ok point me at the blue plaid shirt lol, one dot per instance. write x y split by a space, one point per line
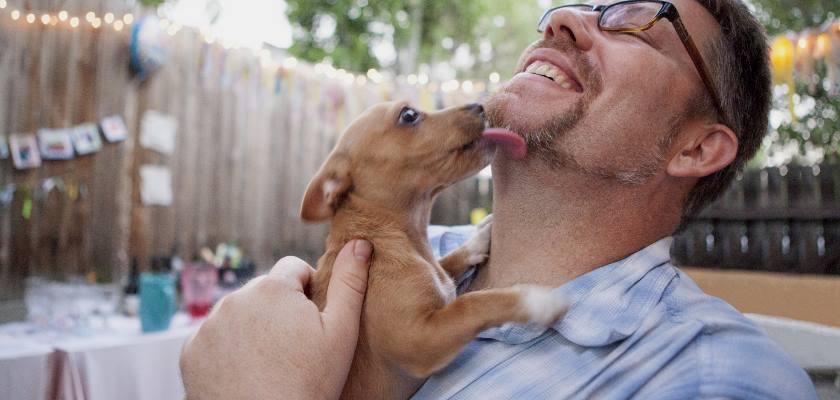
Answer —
636 328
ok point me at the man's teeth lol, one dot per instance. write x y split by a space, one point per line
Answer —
550 71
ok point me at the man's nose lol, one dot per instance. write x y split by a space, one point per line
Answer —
573 22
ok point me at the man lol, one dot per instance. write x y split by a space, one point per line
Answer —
642 115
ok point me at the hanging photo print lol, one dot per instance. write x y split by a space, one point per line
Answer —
24 149
4 149
55 144
86 139
114 129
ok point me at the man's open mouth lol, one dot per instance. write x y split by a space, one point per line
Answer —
551 72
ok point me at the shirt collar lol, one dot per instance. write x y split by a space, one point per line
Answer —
608 304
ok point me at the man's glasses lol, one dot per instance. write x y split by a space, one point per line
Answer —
641 15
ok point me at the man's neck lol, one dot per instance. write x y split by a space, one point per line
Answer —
550 227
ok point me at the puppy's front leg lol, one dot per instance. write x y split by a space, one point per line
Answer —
475 251
433 342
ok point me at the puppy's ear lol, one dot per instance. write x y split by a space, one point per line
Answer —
327 189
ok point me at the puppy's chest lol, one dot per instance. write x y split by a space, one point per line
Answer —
412 273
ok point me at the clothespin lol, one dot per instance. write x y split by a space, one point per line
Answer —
44 191
72 191
26 208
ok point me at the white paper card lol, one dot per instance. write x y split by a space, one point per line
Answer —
156 185
158 132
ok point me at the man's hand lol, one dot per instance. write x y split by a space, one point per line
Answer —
269 341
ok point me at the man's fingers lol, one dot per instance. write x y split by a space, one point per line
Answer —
292 270
348 284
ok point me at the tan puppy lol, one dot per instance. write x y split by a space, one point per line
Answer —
378 184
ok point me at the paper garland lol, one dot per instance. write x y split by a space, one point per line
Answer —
28 150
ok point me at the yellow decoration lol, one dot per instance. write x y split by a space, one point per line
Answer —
822 45
781 56
782 59
476 215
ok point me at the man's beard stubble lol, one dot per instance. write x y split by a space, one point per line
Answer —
542 142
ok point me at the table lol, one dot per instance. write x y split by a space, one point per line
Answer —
25 368
121 363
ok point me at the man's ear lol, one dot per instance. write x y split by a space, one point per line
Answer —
705 153
327 189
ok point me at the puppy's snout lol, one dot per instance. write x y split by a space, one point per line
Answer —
476 109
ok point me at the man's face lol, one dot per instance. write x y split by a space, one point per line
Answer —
619 102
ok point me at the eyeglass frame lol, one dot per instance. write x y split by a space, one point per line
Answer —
667 11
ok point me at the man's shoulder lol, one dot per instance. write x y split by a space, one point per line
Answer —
732 356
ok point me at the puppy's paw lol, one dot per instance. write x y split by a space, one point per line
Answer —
540 305
478 247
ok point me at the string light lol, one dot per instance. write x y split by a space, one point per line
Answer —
90 16
494 77
30 18
118 25
62 15
15 15
128 19
74 22
2 4
109 18
450 86
374 75
411 79
803 43
96 23
45 19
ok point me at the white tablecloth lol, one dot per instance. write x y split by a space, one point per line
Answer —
121 363
25 369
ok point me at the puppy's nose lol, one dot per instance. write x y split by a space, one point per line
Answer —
475 108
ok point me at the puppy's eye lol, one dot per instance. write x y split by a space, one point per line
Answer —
409 116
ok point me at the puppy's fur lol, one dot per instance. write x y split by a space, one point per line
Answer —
378 184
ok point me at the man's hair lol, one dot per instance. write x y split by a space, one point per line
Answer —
740 68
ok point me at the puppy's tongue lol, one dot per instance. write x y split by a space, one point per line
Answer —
508 140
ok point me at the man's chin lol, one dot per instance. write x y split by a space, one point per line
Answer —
509 110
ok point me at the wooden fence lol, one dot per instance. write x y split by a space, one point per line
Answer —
250 136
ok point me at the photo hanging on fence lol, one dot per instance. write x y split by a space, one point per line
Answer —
86 139
24 151
114 129
4 149
56 144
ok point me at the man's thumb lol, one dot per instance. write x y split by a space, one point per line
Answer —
348 283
